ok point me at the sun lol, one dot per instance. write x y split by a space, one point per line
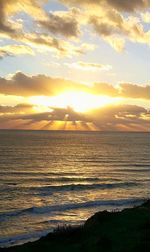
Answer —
81 101
78 101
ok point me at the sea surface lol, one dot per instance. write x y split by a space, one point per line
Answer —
55 178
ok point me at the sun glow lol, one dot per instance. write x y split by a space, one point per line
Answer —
79 101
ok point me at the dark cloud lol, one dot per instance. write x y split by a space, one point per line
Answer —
135 91
5 26
37 39
57 118
123 90
8 7
121 117
110 112
56 114
23 85
67 114
110 23
102 28
122 5
64 24
111 118
113 25
20 108
128 5
67 24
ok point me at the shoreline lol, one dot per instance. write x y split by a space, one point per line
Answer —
123 231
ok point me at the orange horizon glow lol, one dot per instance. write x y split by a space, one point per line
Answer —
78 101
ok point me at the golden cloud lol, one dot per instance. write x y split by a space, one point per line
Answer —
146 17
108 20
86 66
58 23
40 85
127 5
115 29
106 17
13 50
24 85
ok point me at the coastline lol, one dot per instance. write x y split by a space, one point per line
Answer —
123 231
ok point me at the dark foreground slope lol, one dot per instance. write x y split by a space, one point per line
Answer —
125 231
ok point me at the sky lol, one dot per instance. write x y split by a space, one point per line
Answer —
75 65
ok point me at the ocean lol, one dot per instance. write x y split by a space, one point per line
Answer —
52 178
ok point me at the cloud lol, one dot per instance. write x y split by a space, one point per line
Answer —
63 23
33 39
20 108
45 42
84 47
108 30
129 6
4 26
66 114
123 90
114 118
121 5
13 50
61 47
108 20
24 85
58 23
58 118
55 114
114 28
135 91
104 89
10 7
85 66
117 43
146 17
122 118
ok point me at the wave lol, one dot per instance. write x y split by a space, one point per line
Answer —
77 187
44 190
80 187
40 174
56 179
113 162
133 170
11 181
35 235
72 206
22 238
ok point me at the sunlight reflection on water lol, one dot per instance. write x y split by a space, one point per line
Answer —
51 178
